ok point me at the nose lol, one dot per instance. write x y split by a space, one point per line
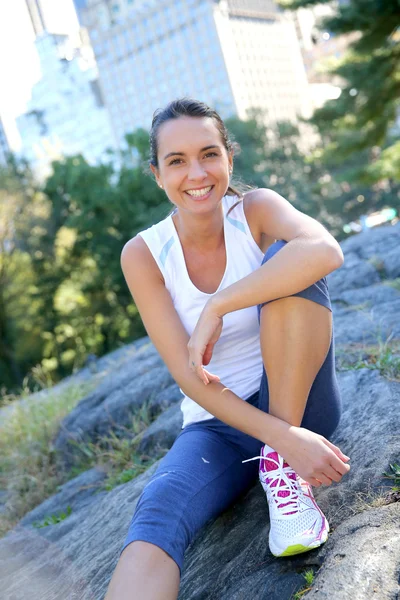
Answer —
196 171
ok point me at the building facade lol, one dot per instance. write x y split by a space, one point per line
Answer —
232 54
4 146
66 114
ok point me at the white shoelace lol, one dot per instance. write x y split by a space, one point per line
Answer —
278 475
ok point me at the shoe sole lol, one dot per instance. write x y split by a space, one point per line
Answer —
300 548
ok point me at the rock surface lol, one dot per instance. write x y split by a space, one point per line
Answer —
230 559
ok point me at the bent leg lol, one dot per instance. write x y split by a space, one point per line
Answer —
200 476
299 382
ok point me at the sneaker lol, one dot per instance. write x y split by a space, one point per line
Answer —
297 524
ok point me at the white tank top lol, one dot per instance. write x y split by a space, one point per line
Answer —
237 355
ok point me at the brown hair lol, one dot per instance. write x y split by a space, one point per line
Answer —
189 107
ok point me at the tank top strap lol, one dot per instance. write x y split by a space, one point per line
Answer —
239 226
160 240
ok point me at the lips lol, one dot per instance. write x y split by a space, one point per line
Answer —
200 192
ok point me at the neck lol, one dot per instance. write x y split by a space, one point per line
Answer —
200 232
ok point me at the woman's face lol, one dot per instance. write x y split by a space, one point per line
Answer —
193 163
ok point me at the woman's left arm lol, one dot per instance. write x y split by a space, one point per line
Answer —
310 254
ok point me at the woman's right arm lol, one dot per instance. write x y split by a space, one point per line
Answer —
170 338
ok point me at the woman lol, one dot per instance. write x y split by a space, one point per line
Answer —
215 289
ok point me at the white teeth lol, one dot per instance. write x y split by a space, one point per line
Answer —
199 193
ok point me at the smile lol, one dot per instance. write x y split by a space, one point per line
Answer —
200 193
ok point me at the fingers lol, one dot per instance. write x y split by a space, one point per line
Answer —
208 354
338 461
205 376
199 370
336 450
211 377
314 482
333 475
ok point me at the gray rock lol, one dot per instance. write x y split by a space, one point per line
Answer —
373 242
230 559
162 432
370 296
367 325
391 261
352 571
77 493
116 401
349 276
72 560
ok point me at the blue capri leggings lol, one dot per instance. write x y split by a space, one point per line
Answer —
202 474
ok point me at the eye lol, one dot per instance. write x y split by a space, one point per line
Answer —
175 161
211 154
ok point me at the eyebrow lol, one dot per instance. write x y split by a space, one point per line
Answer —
183 154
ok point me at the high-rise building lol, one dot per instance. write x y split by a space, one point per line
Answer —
66 114
80 5
319 46
50 16
232 54
4 146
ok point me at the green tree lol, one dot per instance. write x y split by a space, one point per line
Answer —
21 209
366 115
95 211
277 158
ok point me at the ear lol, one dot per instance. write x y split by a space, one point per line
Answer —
155 172
230 160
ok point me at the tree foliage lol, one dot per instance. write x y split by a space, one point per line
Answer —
62 292
366 115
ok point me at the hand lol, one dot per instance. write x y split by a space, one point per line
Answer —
201 344
313 457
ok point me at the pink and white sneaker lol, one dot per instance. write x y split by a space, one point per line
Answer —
297 523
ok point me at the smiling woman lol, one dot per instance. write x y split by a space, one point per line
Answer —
216 289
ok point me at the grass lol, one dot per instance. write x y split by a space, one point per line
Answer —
375 498
117 454
309 577
393 283
394 476
53 519
30 470
383 356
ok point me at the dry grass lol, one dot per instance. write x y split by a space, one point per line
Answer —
29 472
383 356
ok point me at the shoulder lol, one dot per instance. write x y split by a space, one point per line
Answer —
276 217
258 199
256 205
136 256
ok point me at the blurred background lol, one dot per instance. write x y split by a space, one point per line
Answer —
310 91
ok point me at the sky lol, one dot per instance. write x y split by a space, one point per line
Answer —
19 64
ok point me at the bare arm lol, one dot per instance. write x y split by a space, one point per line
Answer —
311 253
169 336
313 457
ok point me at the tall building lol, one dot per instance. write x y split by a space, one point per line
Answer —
47 15
80 5
319 46
66 114
232 54
4 146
